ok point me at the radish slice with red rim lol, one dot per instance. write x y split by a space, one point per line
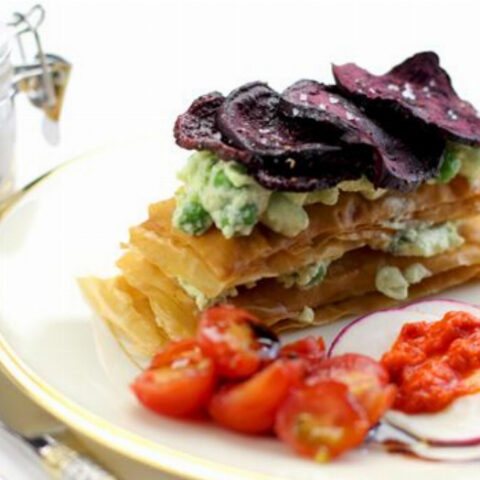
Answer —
457 425
387 437
442 306
374 334
446 454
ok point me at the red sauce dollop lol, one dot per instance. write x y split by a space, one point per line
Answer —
433 363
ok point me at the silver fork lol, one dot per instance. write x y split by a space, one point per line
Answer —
60 460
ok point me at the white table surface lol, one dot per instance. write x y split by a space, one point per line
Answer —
138 63
18 463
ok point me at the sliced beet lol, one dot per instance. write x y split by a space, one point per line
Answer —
282 180
277 182
417 89
388 128
280 153
251 120
394 164
196 129
288 153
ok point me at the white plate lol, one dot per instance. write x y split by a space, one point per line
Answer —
70 224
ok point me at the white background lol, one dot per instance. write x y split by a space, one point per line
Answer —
139 63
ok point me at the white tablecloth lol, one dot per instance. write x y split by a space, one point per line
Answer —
18 462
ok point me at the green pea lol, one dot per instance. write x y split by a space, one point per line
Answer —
450 167
237 168
318 277
249 214
224 220
192 218
221 180
235 221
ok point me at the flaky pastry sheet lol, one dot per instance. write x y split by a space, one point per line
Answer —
214 264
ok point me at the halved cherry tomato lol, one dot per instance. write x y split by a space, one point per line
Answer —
236 341
251 406
311 349
179 382
366 379
322 420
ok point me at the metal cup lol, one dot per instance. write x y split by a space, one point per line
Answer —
43 77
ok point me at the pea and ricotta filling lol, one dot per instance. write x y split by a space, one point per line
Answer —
306 277
462 160
394 283
201 300
421 240
307 315
425 241
222 193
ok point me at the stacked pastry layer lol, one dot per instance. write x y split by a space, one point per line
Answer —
167 276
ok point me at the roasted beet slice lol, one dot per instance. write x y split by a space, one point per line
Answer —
251 120
282 154
303 183
313 172
394 164
417 88
196 129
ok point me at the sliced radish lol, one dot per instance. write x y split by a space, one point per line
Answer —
374 334
448 454
442 306
390 438
456 425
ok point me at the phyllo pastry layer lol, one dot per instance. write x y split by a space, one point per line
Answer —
307 206
147 306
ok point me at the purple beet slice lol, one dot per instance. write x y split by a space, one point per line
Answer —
284 150
418 88
312 172
269 160
196 129
304 183
394 164
250 118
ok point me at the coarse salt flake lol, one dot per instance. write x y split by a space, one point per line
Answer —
408 93
451 114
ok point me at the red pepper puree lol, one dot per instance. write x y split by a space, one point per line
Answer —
433 363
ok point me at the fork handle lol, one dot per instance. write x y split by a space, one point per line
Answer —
65 463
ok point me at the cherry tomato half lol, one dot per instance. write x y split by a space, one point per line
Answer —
311 349
236 341
250 406
322 420
366 379
179 382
